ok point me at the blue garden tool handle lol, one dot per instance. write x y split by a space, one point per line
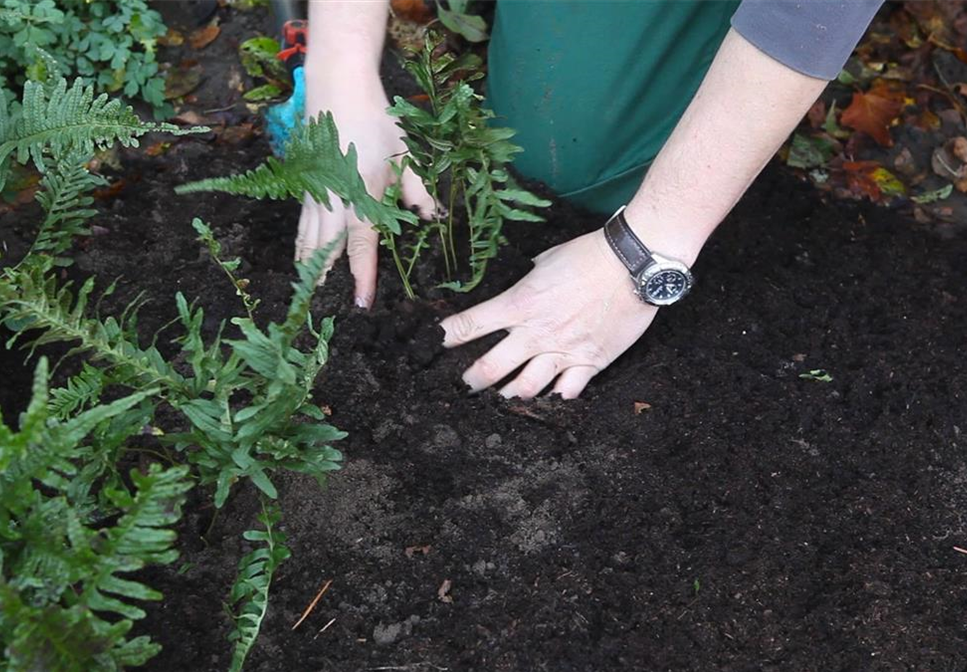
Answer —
293 34
281 119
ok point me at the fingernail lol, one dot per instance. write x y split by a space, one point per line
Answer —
362 303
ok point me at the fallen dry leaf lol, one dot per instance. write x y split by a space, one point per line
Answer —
412 10
413 550
171 39
925 121
949 166
904 163
158 148
799 357
406 34
202 37
443 592
873 112
817 114
641 407
237 134
182 80
958 147
112 190
870 179
190 118
928 16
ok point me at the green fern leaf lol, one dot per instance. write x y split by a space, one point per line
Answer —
59 121
32 299
313 165
250 594
64 198
81 391
140 537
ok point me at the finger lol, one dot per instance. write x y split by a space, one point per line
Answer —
319 227
362 245
498 363
480 320
332 226
305 240
416 195
572 382
537 375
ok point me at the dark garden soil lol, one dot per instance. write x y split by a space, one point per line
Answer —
743 519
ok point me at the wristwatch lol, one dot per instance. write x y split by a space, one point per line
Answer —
657 280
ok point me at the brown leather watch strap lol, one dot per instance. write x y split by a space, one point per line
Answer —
626 245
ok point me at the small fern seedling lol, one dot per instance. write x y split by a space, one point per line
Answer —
228 266
461 157
250 594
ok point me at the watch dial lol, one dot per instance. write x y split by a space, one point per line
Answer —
666 285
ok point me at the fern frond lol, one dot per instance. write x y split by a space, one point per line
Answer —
81 391
64 198
313 165
310 273
62 120
31 298
44 452
250 594
140 537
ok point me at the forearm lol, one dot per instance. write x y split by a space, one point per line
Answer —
744 110
346 37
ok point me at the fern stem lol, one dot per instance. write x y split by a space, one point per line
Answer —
404 273
454 186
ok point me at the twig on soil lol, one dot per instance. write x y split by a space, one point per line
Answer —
221 109
411 666
324 628
960 550
312 605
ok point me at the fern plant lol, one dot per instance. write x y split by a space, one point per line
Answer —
246 403
461 158
65 600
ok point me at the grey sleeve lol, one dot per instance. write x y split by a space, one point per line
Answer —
814 37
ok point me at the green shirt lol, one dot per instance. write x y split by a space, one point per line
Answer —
595 87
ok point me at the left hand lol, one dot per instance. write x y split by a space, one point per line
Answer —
567 319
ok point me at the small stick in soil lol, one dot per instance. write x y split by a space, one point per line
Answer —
312 605
960 550
411 666
324 628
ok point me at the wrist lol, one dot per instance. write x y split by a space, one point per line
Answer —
680 240
353 87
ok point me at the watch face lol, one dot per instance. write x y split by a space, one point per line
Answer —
665 286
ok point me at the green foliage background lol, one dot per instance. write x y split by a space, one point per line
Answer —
109 43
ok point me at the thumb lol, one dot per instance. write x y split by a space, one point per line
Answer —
416 195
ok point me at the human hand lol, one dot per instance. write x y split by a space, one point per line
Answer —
358 106
568 319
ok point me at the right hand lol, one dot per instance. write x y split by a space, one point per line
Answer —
359 110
